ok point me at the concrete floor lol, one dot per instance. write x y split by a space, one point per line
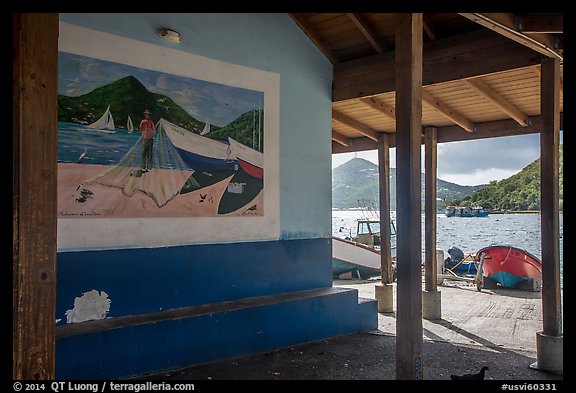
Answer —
494 328
491 318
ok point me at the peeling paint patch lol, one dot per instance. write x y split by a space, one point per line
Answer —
90 306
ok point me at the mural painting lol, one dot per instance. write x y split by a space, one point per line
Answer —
135 143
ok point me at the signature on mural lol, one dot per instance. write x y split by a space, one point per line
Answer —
134 145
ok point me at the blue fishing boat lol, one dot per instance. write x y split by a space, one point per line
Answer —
465 211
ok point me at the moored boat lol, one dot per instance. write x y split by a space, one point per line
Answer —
465 211
509 266
361 254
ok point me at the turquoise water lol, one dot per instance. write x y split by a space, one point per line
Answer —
101 148
468 234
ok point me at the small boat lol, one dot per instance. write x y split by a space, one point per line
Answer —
348 256
200 153
252 161
361 255
509 266
105 123
465 211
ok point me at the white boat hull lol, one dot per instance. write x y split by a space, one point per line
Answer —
348 256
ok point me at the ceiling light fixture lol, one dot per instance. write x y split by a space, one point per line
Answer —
169 35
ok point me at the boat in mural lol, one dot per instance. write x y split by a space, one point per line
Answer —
129 125
466 211
206 129
105 123
509 266
201 153
360 255
251 161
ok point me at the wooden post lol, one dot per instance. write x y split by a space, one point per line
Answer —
549 144
408 71
35 112
384 191
430 268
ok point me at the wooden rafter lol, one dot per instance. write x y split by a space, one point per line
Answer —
313 34
362 128
482 88
540 23
505 24
341 139
367 31
428 27
453 133
447 111
445 60
379 106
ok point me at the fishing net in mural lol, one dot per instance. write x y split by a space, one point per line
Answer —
157 171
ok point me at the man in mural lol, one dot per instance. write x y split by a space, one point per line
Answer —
147 128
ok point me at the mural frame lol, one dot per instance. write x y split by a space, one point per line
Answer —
93 233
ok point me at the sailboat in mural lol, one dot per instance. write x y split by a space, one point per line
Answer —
206 129
129 125
104 123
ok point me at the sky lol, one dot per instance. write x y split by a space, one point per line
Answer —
470 163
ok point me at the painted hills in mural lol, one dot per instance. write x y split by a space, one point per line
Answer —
129 97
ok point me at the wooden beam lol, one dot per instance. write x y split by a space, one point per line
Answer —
341 139
384 193
505 24
362 128
379 106
445 60
428 27
540 23
454 133
35 156
549 156
447 111
366 31
408 81
430 165
482 88
314 36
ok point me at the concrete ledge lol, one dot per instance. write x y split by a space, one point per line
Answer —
550 352
140 344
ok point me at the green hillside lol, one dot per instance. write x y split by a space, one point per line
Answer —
242 128
355 184
129 97
518 192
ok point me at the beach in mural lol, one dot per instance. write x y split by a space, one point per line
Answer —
205 156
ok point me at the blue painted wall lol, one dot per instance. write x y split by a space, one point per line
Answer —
144 280
269 42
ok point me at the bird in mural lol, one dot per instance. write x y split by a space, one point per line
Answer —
470 377
82 156
86 193
202 197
